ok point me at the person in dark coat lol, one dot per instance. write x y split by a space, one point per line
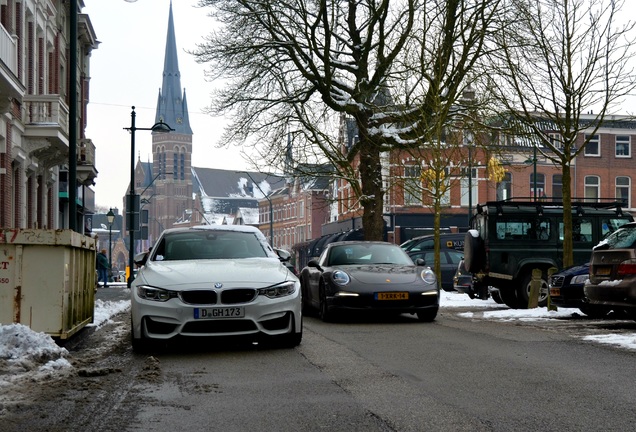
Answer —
102 267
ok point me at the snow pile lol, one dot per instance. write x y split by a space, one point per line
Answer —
29 350
28 354
25 353
104 310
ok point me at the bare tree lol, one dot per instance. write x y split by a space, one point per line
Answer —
297 66
558 60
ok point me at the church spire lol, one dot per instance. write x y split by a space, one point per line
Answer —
172 107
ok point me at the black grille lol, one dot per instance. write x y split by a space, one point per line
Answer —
199 297
157 327
557 281
235 296
219 326
277 323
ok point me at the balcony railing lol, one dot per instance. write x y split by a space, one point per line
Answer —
45 110
86 152
8 51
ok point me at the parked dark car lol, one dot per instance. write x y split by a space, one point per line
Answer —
447 241
566 290
368 276
613 272
463 279
449 260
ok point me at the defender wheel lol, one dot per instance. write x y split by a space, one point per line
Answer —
509 297
496 296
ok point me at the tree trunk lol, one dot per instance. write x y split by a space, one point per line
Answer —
372 198
568 258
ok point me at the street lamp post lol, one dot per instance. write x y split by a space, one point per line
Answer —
534 171
111 218
271 209
132 204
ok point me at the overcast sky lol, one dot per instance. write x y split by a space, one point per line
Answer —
127 69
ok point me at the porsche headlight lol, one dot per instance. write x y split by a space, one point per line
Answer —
340 278
280 290
428 276
157 294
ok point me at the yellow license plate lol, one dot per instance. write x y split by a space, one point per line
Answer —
555 292
392 296
603 271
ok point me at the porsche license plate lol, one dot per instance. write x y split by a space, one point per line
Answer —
392 296
214 313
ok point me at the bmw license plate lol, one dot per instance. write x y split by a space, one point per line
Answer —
392 296
214 313
603 271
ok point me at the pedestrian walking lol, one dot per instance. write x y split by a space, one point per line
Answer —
102 268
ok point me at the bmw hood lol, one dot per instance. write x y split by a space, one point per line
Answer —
374 274
245 273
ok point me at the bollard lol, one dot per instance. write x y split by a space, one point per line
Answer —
535 288
551 271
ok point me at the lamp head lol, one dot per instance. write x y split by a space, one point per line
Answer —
161 127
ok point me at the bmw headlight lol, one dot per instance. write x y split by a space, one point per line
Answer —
157 294
340 278
280 290
428 276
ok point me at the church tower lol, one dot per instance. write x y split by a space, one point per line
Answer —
171 152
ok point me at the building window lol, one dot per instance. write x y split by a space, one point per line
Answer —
412 185
623 147
504 188
445 198
557 186
182 170
539 185
556 140
465 201
592 188
623 186
593 146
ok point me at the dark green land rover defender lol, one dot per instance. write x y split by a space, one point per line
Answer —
508 239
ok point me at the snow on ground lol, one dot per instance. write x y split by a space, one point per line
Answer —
25 353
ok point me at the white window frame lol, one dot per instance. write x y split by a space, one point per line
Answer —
593 139
588 186
628 187
412 183
627 142
464 189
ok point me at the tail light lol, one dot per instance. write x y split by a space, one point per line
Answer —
626 268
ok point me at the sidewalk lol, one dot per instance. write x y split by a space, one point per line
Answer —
115 291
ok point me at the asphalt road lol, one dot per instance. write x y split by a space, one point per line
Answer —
455 374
